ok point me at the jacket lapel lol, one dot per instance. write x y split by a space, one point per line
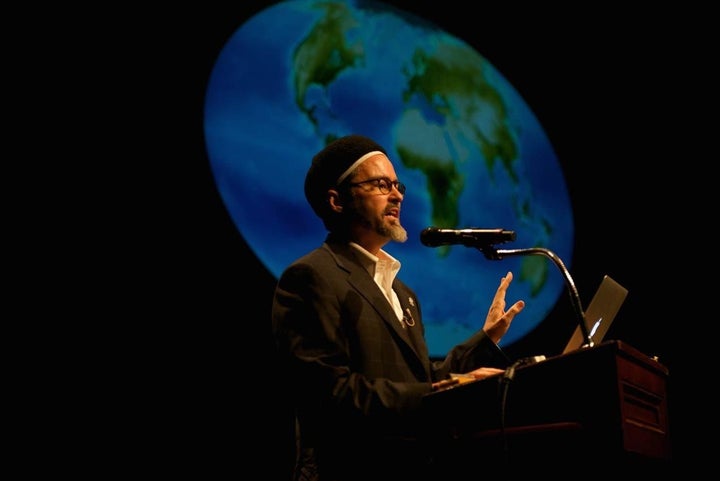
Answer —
367 288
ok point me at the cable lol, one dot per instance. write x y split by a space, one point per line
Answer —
507 377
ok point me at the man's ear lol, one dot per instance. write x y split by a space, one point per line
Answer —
334 200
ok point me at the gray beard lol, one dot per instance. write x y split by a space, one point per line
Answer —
398 233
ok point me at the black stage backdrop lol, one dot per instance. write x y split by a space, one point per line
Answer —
601 86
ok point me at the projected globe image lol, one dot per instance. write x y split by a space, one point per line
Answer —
469 149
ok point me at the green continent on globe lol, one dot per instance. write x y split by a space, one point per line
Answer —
324 53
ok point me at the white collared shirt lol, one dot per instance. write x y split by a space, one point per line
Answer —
383 268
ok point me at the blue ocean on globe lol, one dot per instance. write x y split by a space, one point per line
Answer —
462 139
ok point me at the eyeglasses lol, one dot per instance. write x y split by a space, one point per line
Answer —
383 184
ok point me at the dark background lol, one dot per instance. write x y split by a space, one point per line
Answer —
602 85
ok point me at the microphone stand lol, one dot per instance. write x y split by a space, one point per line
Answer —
492 253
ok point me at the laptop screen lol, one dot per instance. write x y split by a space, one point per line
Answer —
599 314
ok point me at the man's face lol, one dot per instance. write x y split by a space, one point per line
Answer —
376 215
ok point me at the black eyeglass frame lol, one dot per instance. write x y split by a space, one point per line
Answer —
383 184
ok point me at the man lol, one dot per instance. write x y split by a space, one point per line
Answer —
350 333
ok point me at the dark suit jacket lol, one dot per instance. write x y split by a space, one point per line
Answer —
356 374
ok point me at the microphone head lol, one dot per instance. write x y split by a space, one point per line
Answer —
470 237
431 237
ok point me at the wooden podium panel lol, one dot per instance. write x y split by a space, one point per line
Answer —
607 403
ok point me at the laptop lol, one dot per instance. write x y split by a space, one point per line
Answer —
599 314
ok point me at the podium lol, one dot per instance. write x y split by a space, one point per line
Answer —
604 405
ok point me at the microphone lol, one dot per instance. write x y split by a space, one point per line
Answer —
471 237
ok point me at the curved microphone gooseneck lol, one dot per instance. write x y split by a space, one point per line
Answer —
494 254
